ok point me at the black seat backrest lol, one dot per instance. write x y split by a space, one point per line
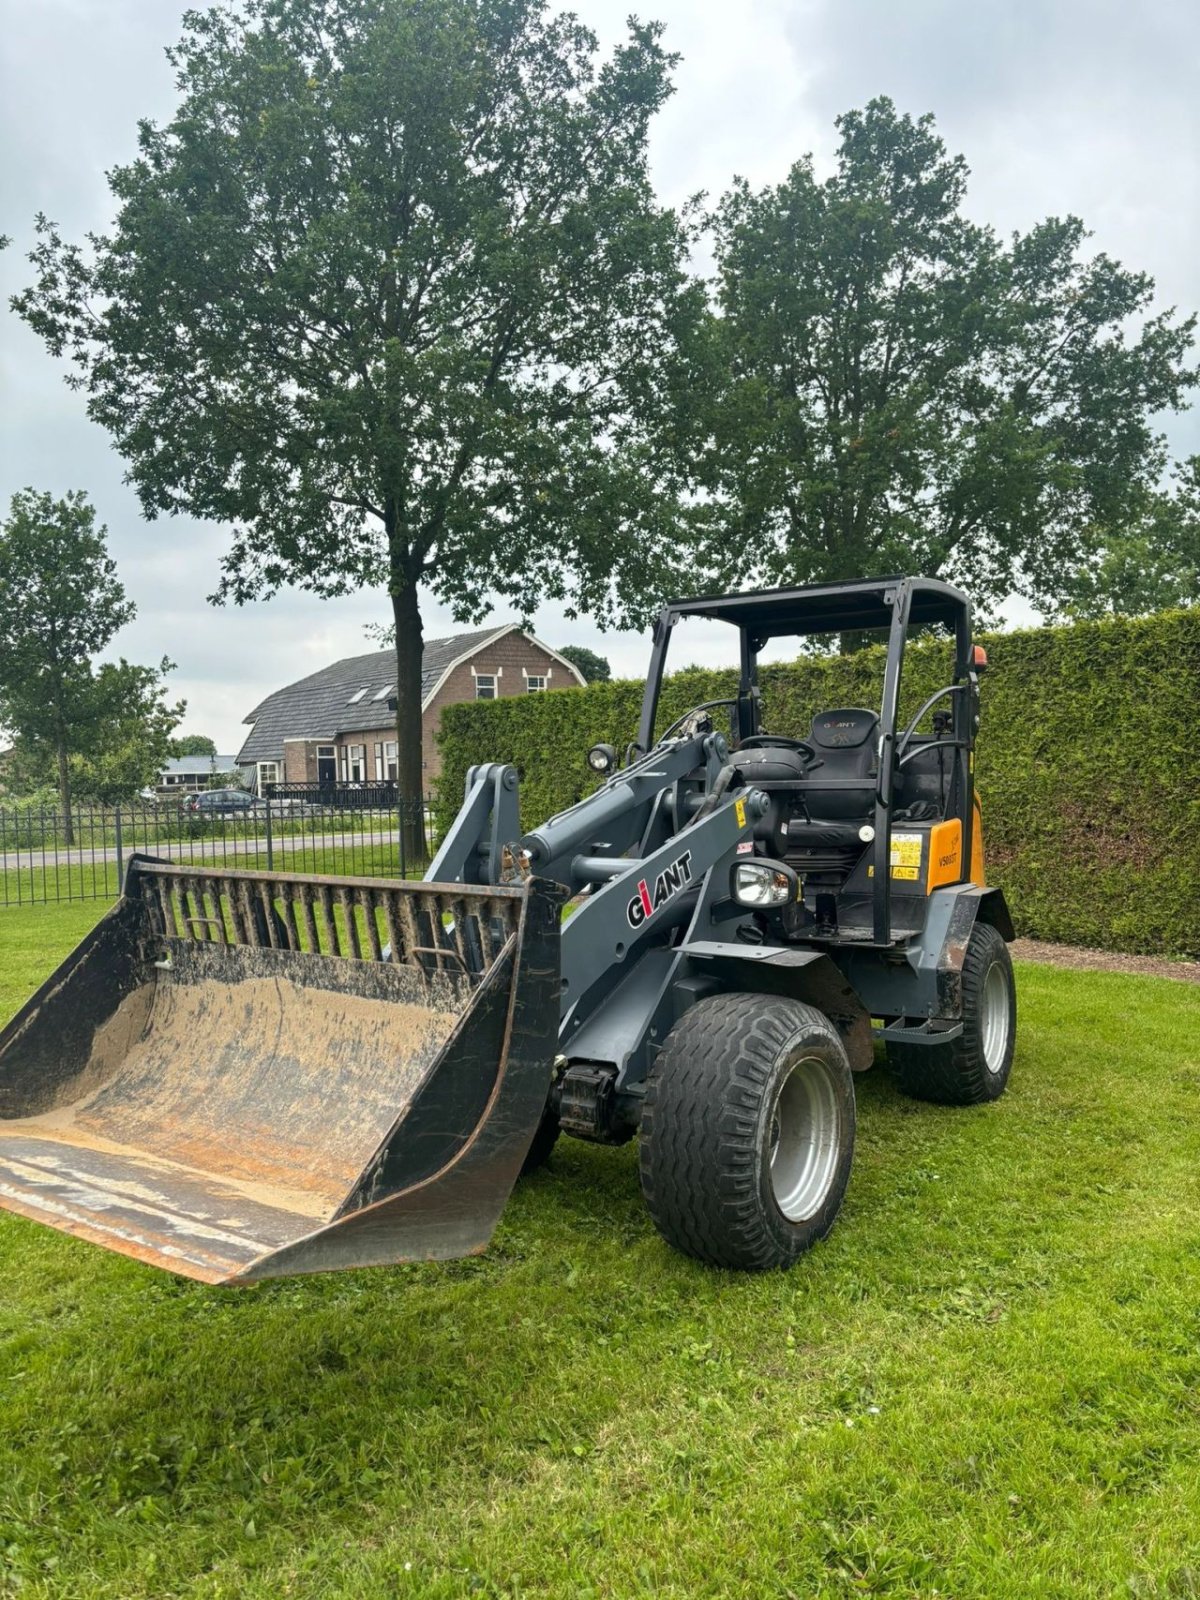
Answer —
845 742
844 730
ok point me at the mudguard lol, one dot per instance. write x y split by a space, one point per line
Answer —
800 974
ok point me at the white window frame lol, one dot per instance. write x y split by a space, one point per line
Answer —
391 760
492 679
356 756
261 768
537 682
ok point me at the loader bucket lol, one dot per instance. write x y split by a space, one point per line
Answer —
245 1075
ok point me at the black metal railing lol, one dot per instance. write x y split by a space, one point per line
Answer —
47 858
343 795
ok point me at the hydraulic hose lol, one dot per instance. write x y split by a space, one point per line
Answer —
714 796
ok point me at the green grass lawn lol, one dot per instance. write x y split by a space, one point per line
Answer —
985 1383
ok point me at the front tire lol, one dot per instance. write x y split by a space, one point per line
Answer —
747 1132
975 1067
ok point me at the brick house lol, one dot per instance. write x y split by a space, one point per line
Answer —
336 726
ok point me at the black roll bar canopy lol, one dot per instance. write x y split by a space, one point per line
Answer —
896 604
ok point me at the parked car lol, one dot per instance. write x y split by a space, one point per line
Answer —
222 803
287 806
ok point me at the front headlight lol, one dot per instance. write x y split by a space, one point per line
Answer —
758 884
602 758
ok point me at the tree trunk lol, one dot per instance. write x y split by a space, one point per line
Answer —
64 795
406 613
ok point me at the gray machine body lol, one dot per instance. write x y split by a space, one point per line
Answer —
654 927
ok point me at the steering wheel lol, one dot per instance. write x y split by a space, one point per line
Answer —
773 741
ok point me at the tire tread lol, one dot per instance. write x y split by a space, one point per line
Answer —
699 1151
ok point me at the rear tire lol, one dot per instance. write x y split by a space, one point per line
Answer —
975 1067
747 1133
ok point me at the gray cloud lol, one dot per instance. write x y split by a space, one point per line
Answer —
1059 105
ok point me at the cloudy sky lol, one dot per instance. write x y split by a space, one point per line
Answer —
1084 106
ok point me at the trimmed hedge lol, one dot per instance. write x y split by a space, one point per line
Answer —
1088 762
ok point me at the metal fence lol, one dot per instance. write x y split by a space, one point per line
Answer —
379 793
46 857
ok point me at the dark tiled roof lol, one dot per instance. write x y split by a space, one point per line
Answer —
317 707
197 766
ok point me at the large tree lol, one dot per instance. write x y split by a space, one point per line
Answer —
391 295
595 668
896 388
97 727
193 744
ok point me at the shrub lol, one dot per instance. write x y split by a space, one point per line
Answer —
1088 762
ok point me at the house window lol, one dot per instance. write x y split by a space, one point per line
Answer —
357 756
382 694
389 751
535 684
268 772
379 773
485 686
358 695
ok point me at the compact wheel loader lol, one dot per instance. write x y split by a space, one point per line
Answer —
242 1075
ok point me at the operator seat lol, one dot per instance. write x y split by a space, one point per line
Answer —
837 794
819 797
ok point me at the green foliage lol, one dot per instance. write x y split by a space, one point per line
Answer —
595 668
193 744
899 389
96 731
391 295
1152 561
1088 762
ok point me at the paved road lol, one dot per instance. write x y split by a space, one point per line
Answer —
203 852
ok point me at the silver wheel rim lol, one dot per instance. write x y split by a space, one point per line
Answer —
994 1018
805 1139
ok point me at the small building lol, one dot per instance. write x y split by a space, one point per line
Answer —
183 774
337 726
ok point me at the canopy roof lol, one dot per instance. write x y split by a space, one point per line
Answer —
830 607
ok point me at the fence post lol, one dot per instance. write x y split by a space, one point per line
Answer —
400 821
270 841
120 851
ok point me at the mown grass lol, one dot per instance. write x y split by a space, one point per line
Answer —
985 1383
33 939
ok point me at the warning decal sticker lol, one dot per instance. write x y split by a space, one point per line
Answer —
905 857
906 850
